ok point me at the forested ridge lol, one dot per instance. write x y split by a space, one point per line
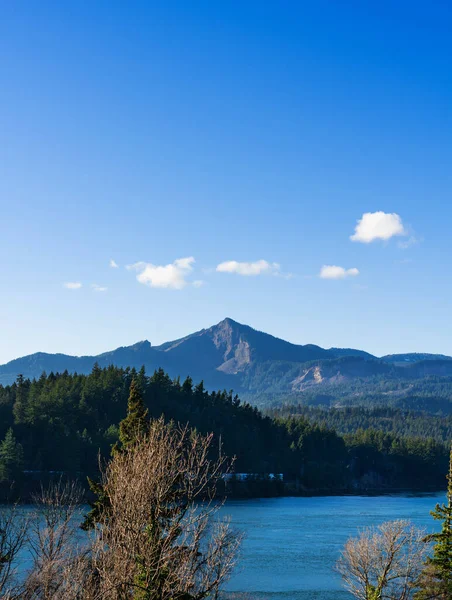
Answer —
430 394
267 371
349 419
60 422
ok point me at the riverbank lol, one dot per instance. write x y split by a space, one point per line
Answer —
27 487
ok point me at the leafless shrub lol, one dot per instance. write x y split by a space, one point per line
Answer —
384 563
159 538
13 535
54 543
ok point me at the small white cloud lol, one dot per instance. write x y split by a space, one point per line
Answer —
260 267
334 272
72 285
198 283
411 241
113 264
98 288
172 276
403 261
378 226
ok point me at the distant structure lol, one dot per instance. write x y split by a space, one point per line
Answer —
253 476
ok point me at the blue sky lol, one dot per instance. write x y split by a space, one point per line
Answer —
155 132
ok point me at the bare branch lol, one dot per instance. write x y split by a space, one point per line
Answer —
384 562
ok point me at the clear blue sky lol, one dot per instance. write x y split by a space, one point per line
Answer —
149 132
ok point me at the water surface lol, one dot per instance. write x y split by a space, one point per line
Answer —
292 544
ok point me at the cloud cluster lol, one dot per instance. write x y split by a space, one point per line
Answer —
370 227
76 285
260 267
378 226
72 285
172 276
334 272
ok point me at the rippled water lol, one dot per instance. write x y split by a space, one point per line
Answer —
291 544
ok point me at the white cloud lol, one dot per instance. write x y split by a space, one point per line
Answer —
404 261
260 267
72 285
113 264
98 288
378 226
198 283
172 276
334 272
411 241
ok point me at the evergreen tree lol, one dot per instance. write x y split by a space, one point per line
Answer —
187 386
131 429
436 581
11 457
136 424
20 401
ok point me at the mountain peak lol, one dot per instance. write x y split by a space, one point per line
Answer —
229 323
233 355
140 345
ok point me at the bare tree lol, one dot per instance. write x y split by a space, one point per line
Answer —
13 534
158 535
160 538
384 563
54 543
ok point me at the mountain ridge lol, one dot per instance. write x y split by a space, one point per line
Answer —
233 355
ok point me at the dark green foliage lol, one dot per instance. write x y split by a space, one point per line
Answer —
98 505
437 579
348 419
131 429
11 457
136 423
65 421
365 383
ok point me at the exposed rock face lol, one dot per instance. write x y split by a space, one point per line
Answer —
234 356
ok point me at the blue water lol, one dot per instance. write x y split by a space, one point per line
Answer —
292 544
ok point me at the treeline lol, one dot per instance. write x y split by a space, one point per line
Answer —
348 419
61 422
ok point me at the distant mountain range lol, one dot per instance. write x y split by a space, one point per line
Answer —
232 355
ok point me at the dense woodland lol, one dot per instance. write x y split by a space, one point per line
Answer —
60 422
349 419
432 393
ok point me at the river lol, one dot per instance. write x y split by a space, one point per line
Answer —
292 544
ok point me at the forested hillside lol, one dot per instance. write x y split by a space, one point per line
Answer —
349 419
266 370
432 393
60 422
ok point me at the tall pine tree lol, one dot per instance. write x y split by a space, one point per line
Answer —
136 424
11 457
436 581
133 428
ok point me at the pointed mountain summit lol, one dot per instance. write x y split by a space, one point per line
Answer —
235 356
217 355
231 347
